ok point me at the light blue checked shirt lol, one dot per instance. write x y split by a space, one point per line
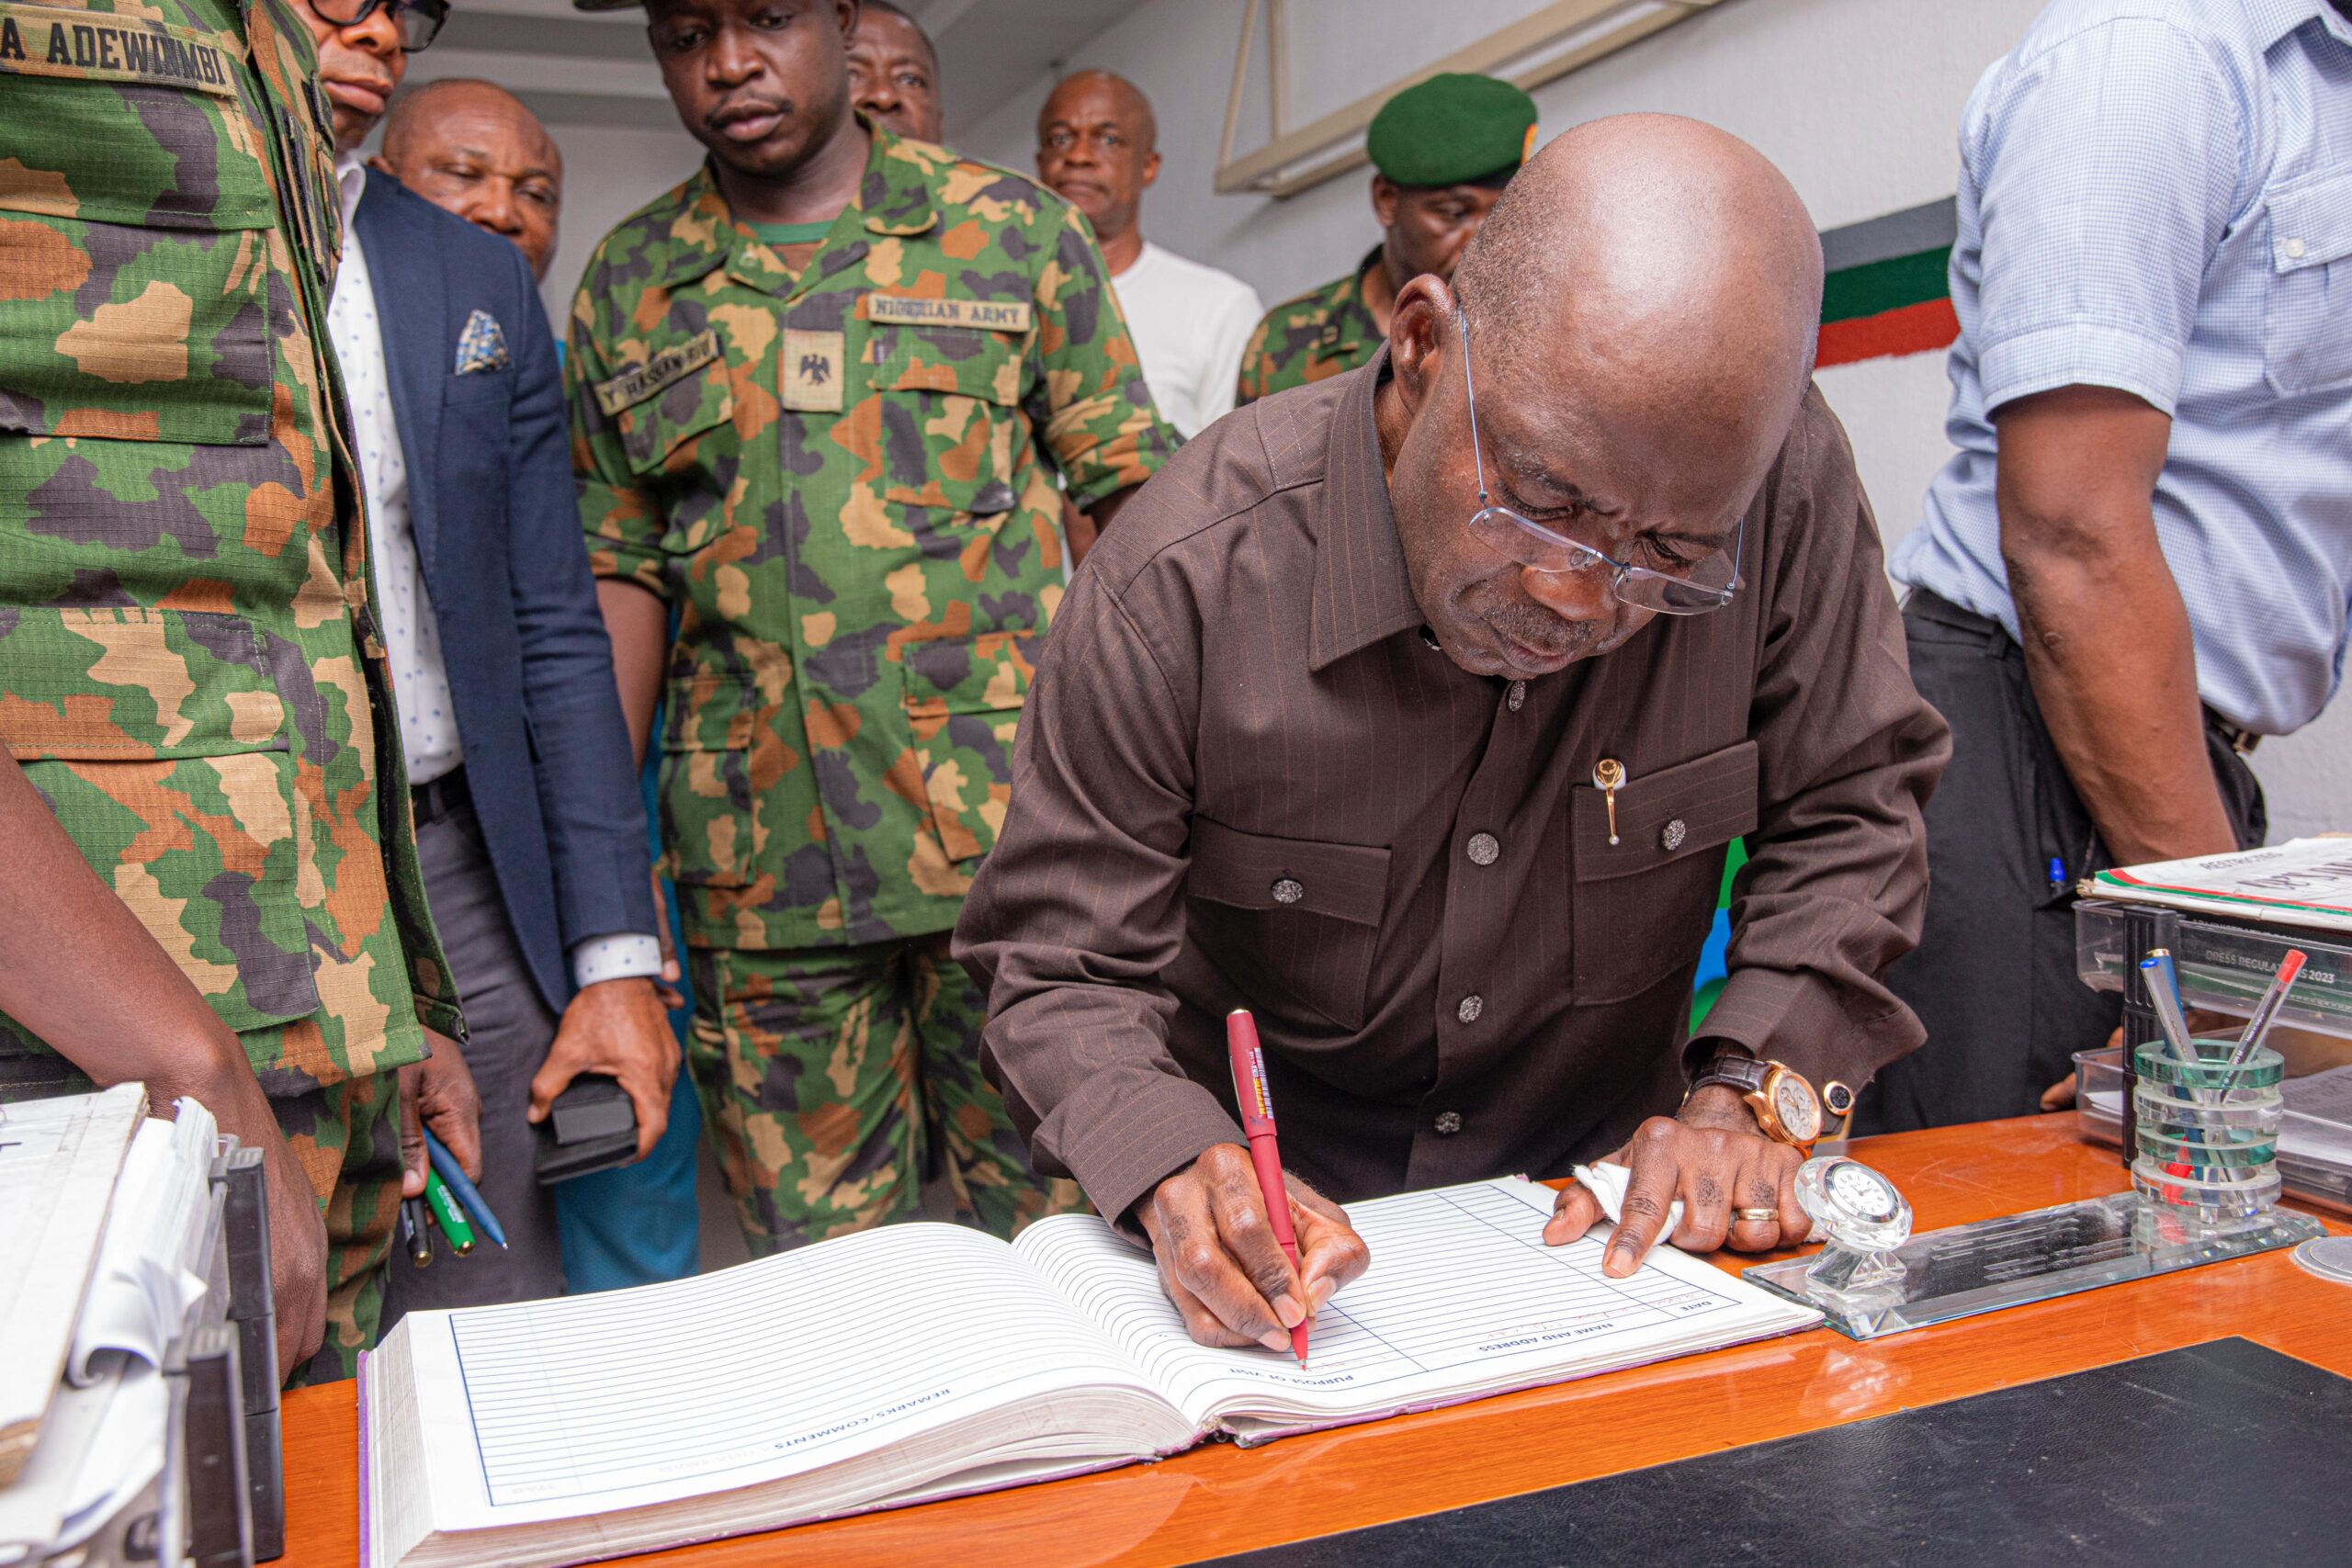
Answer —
2157 196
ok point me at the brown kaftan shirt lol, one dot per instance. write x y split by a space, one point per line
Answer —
1247 778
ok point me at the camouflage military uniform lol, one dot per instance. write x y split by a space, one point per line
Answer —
1317 334
182 568
843 482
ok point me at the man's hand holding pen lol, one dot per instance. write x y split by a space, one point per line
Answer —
1221 1264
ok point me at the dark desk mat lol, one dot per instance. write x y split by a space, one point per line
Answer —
2225 1451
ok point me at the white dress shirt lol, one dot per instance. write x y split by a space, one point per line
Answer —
428 715
1190 325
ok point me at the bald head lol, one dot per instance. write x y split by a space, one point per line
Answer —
1117 98
1640 307
1098 148
476 150
1655 247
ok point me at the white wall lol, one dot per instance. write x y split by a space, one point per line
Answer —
607 175
1857 101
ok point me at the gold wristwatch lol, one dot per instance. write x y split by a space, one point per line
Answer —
1785 1105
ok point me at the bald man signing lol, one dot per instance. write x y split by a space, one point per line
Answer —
1414 710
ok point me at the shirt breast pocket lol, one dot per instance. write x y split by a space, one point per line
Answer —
950 419
159 738
2307 314
1644 904
1299 916
135 296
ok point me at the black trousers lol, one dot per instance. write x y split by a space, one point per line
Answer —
1993 977
509 1029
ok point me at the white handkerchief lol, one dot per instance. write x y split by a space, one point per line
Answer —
1607 1182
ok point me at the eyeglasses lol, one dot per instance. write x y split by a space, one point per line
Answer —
1710 584
420 20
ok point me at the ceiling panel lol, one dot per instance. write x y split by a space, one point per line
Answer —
990 50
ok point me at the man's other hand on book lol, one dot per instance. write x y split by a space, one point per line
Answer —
1220 1263
1712 1156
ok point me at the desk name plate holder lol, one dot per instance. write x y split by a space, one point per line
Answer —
1874 1278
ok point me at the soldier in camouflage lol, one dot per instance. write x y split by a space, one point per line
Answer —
821 394
189 680
1441 151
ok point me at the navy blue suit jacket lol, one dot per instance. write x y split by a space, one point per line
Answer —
490 497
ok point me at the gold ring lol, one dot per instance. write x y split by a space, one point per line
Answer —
1756 1216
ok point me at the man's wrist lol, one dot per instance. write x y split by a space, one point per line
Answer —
1703 1052
1719 1105
619 956
616 980
222 1081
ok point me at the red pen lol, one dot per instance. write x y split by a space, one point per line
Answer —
1258 1121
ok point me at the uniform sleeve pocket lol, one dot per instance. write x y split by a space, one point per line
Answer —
964 698
656 431
2307 314
1671 827
1302 915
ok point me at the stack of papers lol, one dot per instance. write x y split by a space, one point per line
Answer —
2318 1123
106 1220
59 1162
147 1276
2305 882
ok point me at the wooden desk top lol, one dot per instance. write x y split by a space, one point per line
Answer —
1220 1499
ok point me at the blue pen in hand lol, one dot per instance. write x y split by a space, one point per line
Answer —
2057 873
451 1172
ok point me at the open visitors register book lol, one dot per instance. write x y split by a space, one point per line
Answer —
922 1360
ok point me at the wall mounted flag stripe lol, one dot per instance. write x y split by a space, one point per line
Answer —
1888 290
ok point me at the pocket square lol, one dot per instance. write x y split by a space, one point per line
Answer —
481 347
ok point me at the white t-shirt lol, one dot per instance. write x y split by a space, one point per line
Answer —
1191 323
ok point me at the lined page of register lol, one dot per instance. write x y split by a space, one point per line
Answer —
916 1361
1462 1299
854 1352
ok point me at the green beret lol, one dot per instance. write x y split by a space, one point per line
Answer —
1452 129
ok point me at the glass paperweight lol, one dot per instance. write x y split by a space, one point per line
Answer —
1864 1218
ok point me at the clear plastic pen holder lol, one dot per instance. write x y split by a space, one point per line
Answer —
2207 1134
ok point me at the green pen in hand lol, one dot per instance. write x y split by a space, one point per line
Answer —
446 1214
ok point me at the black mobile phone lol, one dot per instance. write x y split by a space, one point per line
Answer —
591 1126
